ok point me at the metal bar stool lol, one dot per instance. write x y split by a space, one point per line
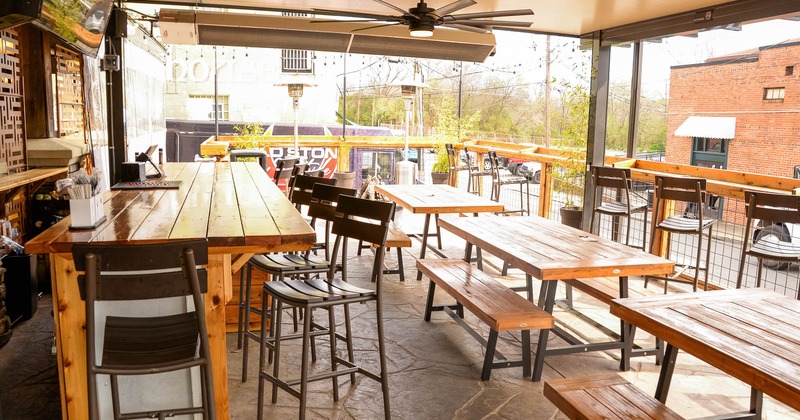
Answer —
619 181
455 166
476 174
145 345
358 219
280 265
771 241
692 192
500 179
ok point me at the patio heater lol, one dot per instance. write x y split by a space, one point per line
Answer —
406 169
296 92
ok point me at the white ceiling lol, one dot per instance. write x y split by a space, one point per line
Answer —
565 17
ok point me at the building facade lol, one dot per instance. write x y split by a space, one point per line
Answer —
739 112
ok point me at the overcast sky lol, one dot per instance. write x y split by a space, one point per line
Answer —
525 53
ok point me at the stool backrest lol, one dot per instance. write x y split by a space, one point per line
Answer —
362 220
283 169
608 177
771 207
259 155
324 199
304 187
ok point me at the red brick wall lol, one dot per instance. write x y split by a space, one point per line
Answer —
767 139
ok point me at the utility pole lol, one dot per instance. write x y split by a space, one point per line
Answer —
547 93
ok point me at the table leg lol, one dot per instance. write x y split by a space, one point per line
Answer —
665 377
219 281
756 402
626 331
549 294
424 242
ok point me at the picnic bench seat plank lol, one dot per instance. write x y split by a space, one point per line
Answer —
396 238
604 396
604 289
499 307
493 303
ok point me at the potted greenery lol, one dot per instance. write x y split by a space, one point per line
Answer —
440 171
569 171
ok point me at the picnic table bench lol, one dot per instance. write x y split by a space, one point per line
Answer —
606 396
499 307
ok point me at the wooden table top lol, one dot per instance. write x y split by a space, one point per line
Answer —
750 334
11 181
236 206
549 250
437 199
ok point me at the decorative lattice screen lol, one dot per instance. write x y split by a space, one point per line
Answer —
69 94
12 145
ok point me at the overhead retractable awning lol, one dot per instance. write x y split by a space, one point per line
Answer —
708 127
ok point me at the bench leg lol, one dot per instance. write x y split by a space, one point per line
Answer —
400 264
665 377
549 294
626 331
429 301
489 359
529 287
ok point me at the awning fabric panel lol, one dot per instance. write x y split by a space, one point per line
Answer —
708 127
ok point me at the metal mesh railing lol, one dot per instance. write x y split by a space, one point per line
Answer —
726 241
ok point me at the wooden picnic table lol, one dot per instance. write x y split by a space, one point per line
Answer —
435 200
235 206
750 334
551 251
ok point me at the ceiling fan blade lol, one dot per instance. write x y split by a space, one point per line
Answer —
483 15
489 22
391 6
383 19
376 26
352 14
453 7
476 29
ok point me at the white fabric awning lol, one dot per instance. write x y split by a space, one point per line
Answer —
708 127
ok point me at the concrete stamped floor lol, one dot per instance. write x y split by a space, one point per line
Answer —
434 367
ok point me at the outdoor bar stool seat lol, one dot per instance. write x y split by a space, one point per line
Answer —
773 210
455 165
619 181
355 218
282 264
476 174
501 178
259 155
690 191
152 344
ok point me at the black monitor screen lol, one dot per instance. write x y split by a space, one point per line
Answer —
82 23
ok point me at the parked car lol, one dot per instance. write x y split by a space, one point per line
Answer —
530 170
486 165
774 233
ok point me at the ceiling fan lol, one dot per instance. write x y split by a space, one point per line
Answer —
421 20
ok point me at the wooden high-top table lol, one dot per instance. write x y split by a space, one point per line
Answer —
435 200
551 251
750 334
235 206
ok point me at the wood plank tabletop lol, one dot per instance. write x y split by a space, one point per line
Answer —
750 334
437 199
549 250
233 205
11 181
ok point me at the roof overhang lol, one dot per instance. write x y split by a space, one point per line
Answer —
708 127
269 31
